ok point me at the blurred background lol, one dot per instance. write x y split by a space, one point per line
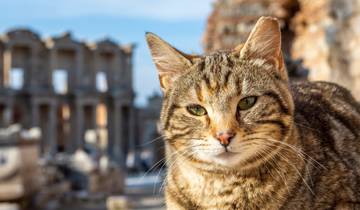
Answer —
80 100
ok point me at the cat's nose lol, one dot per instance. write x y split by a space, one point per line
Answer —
225 137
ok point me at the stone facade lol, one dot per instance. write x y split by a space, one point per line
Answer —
67 88
327 38
232 20
323 34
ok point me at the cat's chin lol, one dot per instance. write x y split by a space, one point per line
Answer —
228 159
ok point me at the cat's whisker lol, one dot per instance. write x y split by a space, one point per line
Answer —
152 167
298 153
261 155
276 168
295 149
298 172
281 155
152 141
162 185
171 160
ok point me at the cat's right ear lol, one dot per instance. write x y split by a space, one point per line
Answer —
170 62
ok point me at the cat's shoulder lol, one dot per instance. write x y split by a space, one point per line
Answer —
321 94
326 89
321 104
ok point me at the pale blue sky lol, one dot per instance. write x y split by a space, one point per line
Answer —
181 23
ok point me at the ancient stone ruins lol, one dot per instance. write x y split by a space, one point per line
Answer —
78 97
323 34
67 88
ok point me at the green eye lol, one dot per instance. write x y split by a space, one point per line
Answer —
247 103
196 109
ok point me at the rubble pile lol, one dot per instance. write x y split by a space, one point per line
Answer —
19 171
31 181
77 180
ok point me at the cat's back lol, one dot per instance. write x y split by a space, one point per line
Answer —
328 108
327 118
328 121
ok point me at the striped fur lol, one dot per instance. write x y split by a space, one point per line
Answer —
298 147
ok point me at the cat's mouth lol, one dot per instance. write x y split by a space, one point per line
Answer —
226 155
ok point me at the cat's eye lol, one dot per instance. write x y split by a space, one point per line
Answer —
247 103
196 109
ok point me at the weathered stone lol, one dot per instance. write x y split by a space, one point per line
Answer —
327 38
19 171
9 206
323 34
232 20
118 203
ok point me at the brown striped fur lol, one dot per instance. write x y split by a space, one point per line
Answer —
298 147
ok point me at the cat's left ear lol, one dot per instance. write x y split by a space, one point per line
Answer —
170 62
264 43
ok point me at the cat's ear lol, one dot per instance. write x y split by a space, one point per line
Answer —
264 43
170 62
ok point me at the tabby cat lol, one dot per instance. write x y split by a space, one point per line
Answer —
238 135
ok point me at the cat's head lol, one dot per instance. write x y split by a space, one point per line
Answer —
226 110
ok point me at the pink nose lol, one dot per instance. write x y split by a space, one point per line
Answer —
225 137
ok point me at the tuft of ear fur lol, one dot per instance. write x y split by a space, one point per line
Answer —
170 62
264 43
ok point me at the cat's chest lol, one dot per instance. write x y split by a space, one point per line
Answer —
227 192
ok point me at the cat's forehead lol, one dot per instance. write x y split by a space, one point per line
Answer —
224 66
217 59
223 76
220 77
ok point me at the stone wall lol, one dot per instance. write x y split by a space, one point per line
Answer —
323 34
327 38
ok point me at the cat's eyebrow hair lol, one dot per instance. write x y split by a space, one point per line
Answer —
207 81
199 93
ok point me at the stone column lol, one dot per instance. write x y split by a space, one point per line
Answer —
53 64
132 140
79 132
34 114
110 129
117 74
31 73
71 146
116 130
119 141
96 68
93 117
79 68
53 129
7 66
128 69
